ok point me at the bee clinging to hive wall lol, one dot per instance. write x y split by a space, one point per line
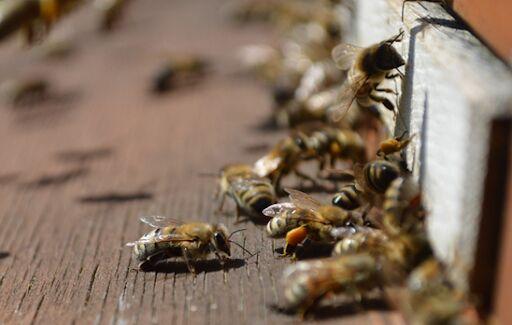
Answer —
368 68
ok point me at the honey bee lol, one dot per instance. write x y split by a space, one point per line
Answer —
431 298
179 71
110 12
305 217
251 193
33 17
306 283
371 182
368 68
393 145
312 141
172 238
20 92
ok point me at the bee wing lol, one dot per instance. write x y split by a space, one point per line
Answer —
159 221
347 96
266 164
306 268
162 239
242 184
303 200
344 55
278 208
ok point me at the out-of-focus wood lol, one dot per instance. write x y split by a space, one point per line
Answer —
491 20
503 313
491 231
76 173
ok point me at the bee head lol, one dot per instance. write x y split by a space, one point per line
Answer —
388 58
220 240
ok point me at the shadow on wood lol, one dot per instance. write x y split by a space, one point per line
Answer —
116 197
207 266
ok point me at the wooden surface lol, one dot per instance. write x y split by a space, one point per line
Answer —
77 172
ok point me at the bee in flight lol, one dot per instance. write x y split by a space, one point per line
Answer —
172 238
368 68
304 217
251 193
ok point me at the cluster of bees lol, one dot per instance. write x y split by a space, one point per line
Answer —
328 94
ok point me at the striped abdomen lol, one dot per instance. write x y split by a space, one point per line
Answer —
255 197
298 292
143 250
281 224
347 198
379 174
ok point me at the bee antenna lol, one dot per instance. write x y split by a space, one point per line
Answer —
244 249
234 232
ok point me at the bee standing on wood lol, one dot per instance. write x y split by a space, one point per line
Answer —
306 217
251 193
368 68
172 238
178 71
311 141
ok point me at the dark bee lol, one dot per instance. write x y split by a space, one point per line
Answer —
348 197
178 71
368 68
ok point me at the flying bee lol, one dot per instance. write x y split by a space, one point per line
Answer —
393 145
305 217
308 282
172 238
368 68
308 142
251 193
178 71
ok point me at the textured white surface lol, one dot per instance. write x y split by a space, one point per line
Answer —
453 88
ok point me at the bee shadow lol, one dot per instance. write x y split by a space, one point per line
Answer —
82 156
4 255
206 266
57 179
309 250
116 197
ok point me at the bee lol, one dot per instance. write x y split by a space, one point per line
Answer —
370 184
311 141
110 12
393 145
15 14
177 71
20 92
172 238
305 217
251 193
306 283
368 68
431 298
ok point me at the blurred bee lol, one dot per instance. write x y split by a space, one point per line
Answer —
368 68
431 298
311 141
305 217
306 283
172 238
251 193
20 92
178 71
33 17
393 145
110 12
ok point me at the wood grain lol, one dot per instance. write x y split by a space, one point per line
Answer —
62 257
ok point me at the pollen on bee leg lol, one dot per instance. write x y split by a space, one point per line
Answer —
296 236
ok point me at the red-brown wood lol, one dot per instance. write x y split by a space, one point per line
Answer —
491 20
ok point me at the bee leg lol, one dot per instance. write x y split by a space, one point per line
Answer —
221 203
306 177
188 261
383 100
